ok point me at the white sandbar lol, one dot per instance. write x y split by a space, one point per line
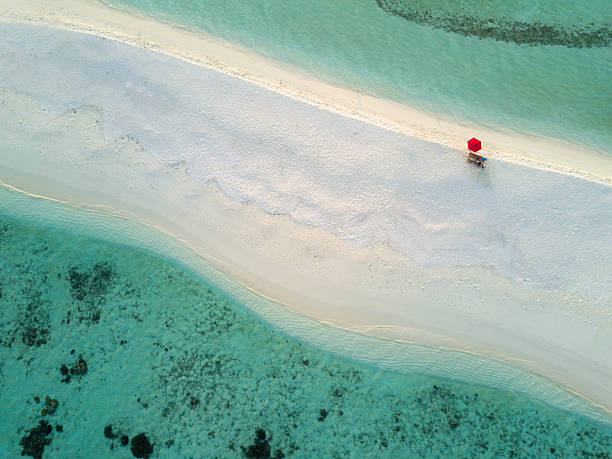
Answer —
345 219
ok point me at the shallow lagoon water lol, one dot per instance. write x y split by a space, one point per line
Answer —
171 355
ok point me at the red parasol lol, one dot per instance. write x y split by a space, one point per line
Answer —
474 144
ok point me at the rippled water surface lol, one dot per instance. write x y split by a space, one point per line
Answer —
538 67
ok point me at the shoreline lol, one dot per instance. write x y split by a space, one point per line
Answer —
234 60
260 251
356 344
269 376
262 276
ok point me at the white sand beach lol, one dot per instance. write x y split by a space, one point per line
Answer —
352 210
96 18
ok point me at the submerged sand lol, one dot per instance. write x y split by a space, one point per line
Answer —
445 273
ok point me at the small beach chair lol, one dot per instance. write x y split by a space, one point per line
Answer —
476 159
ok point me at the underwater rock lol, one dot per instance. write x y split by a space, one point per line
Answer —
123 439
34 443
141 446
108 431
78 368
51 405
259 449
322 415
66 373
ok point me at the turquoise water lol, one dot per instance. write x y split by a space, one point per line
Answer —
97 334
539 67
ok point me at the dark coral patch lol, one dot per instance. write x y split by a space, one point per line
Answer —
141 446
108 431
34 443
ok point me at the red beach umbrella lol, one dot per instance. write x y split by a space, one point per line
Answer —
474 144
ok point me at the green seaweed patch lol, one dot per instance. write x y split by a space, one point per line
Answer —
25 315
89 285
5 229
519 32
89 289
33 323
